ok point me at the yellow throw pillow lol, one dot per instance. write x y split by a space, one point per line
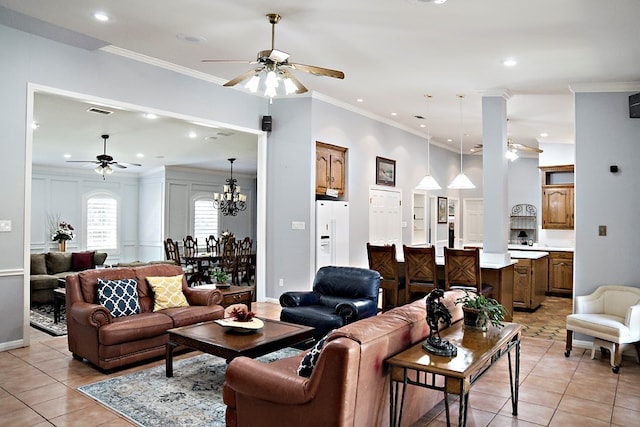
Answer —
167 292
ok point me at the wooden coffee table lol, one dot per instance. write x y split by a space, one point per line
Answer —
211 338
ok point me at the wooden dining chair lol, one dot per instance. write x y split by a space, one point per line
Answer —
190 251
172 252
420 273
244 266
462 271
212 244
383 260
228 259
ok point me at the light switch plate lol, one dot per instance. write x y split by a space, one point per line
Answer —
297 225
5 225
602 230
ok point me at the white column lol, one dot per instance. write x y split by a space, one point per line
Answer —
495 174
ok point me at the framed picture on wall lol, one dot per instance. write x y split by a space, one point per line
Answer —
442 210
385 171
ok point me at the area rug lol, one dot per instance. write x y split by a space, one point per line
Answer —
192 397
41 317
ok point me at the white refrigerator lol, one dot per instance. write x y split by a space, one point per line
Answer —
332 233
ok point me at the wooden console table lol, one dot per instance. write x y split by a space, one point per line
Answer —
477 352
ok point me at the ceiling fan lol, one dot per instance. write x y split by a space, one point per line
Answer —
105 161
511 146
277 67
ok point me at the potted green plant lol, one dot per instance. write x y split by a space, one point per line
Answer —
479 311
219 275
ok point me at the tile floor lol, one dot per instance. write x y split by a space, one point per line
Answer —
38 383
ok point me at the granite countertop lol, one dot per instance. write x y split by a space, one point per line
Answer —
528 254
535 247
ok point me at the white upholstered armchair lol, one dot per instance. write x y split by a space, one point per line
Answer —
612 316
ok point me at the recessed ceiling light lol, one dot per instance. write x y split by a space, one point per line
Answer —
140 155
67 156
151 116
544 134
101 16
192 134
423 126
394 114
449 140
359 100
510 62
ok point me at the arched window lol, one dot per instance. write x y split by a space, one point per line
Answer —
102 222
205 220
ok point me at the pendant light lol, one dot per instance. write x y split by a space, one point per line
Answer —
461 182
428 182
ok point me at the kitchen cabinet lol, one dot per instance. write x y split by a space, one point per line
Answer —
530 279
557 197
561 273
330 169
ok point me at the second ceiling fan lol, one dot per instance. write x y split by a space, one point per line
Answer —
275 63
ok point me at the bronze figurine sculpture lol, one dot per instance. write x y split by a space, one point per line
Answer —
436 313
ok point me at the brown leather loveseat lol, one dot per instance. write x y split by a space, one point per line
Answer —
109 342
349 385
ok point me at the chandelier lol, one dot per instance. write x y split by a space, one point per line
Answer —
231 201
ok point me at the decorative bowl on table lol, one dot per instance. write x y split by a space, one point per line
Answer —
245 327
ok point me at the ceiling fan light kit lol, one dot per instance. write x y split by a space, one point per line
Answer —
105 161
274 68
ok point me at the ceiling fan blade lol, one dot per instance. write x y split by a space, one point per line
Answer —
123 165
319 71
83 161
300 87
234 81
524 147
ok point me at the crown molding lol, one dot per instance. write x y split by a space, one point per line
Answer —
604 87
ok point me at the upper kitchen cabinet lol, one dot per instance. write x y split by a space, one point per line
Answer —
557 197
331 168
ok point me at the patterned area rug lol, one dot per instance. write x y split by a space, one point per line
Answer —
193 397
41 317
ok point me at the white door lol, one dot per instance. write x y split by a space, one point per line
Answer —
385 217
473 217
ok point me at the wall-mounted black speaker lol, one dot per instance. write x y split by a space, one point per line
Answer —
613 168
634 106
266 123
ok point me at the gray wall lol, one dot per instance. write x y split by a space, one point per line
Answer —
32 59
605 135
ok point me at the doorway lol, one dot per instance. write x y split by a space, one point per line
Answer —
261 172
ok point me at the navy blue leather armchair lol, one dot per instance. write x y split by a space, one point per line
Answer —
340 295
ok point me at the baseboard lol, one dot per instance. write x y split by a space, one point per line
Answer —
12 345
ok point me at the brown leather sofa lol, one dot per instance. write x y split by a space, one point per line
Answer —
109 342
349 385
